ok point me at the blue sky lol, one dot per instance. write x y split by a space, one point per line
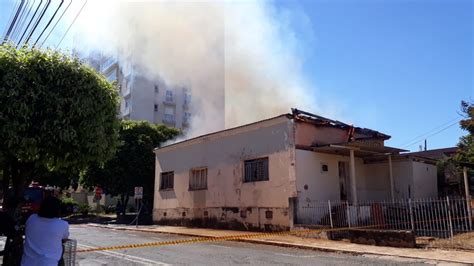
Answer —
399 67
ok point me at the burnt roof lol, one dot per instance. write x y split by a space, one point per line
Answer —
299 116
323 121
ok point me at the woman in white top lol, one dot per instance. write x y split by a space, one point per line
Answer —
44 234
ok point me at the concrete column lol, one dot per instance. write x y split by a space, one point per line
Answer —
353 177
390 174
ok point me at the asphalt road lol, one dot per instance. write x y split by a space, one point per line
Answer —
215 253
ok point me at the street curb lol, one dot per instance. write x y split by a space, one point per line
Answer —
283 244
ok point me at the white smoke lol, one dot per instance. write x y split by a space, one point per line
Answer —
240 59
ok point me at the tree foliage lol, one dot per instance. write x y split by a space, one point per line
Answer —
134 163
466 143
56 114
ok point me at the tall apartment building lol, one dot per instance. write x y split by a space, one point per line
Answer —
145 99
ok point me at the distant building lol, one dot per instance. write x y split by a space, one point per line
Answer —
145 99
264 174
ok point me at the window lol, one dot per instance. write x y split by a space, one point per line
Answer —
127 103
156 107
169 96
167 180
198 179
187 117
256 170
187 98
156 89
169 115
324 167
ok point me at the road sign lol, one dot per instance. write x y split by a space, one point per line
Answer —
138 192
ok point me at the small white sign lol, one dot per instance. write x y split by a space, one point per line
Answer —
138 192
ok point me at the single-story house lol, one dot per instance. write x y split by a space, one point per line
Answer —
257 175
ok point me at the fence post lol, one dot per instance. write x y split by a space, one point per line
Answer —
449 217
348 214
330 213
412 221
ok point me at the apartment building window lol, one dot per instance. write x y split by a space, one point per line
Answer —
167 180
127 103
187 117
156 107
169 96
169 114
187 98
157 89
198 178
256 170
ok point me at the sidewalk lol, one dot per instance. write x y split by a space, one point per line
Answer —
439 255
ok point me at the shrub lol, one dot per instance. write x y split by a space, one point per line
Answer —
84 208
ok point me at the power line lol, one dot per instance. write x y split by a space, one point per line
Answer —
22 23
14 21
49 22
56 23
38 21
11 17
421 136
72 23
29 23
437 132
20 19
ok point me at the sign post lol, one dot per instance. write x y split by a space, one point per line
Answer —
138 202
98 197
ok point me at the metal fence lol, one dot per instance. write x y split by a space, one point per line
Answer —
442 217
69 254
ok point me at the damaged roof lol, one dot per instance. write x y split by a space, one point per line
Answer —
297 115
323 121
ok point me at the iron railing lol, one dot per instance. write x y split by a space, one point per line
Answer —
441 217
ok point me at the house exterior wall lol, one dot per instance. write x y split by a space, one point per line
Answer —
227 198
425 180
372 180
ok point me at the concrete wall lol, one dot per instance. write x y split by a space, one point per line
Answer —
227 198
372 180
425 180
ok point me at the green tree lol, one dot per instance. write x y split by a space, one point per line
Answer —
466 143
133 164
56 115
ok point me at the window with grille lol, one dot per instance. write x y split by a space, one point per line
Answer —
169 96
198 179
167 180
256 170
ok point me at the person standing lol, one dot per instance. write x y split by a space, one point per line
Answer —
44 235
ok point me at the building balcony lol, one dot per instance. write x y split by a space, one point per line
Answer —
169 101
109 63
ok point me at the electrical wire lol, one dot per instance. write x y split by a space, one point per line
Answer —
29 23
437 132
26 18
72 23
47 36
16 27
49 22
14 21
11 17
38 21
421 136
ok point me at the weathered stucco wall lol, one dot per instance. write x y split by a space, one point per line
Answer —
373 181
227 198
425 180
